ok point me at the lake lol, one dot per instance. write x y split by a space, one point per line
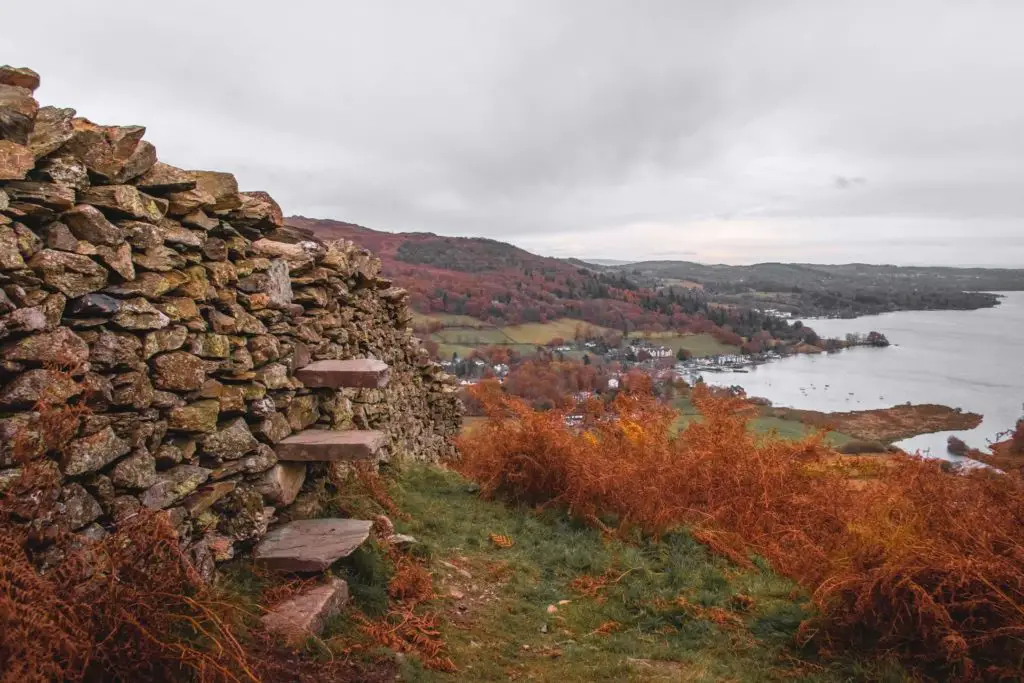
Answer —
966 359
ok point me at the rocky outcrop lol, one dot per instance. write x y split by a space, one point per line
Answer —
172 313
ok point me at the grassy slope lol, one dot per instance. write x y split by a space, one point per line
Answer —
500 627
696 344
448 319
463 334
542 333
472 336
786 429
445 351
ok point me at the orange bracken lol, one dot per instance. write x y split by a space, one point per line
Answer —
918 562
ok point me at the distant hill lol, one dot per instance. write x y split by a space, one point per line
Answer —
505 285
500 283
601 261
840 290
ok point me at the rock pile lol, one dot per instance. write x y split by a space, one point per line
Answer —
177 310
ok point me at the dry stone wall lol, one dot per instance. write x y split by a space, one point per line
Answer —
165 313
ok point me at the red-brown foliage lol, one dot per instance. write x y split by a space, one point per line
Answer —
918 562
128 607
408 626
504 285
546 384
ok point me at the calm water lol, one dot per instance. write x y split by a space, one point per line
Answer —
966 359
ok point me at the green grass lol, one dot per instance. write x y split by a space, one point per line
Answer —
448 319
445 351
501 627
697 344
466 331
471 336
464 337
463 334
542 333
786 429
790 429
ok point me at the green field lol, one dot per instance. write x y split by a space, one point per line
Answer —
445 351
463 334
696 344
446 319
786 429
484 336
542 333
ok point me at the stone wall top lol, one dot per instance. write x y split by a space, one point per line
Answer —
171 311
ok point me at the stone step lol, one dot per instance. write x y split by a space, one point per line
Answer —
310 545
325 445
304 615
361 373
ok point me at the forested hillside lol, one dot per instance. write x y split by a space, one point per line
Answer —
505 285
502 284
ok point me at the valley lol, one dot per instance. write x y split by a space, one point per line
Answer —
484 308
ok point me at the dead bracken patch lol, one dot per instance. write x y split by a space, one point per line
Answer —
408 624
921 564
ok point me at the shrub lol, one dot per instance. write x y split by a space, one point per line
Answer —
1017 437
957 446
129 607
913 561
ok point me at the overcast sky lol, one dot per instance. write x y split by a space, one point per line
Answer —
822 131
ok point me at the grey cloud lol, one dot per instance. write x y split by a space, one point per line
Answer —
564 124
844 183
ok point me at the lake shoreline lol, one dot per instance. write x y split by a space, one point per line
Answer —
961 359
884 425
994 299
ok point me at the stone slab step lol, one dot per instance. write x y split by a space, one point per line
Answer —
310 545
325 445
304 615
337 374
